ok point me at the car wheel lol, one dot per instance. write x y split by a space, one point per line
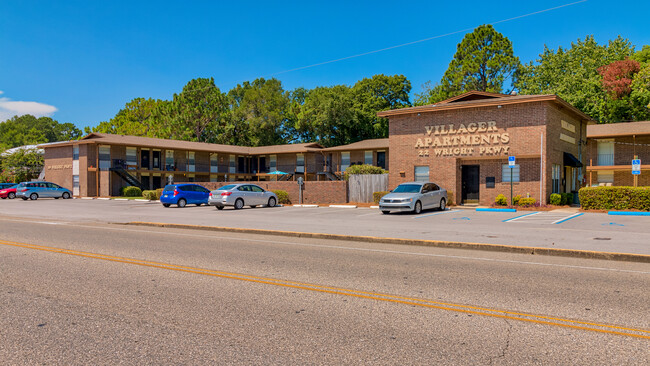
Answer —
385 212
11 195
166 205
272 202
417 208
182 202
56 198
24 198
443 204
33 196
252 206
219 207
65 195
239 204
4 198
198 204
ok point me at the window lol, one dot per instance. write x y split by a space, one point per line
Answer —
300 163
505 173
605 152
75 185
273 163
422 173
214 178
367 157
190 161
75 153
214 163
169 160
345 160
605 177
104 157
556 173
231 164
256 189
131 158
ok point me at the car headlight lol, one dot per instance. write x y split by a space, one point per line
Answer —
407 200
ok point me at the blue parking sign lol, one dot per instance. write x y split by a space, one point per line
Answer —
636 166
511 161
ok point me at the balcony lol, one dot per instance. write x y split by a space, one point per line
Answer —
605 159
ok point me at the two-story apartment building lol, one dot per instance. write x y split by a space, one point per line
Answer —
611 149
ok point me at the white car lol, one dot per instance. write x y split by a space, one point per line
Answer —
240 195
414 197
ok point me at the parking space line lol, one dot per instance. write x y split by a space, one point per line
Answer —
520 216
567 218
437 213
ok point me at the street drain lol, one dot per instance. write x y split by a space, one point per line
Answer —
602 238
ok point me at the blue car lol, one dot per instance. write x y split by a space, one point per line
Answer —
36 190
184 194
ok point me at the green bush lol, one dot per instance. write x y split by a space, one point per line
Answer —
132 191
450 198
615 198
283 197
363 169
555 199
515 200
159 192
376 196
567 198
501 200
150 195
527 202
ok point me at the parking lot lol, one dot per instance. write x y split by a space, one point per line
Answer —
567 228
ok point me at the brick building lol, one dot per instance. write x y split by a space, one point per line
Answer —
463 144
610 150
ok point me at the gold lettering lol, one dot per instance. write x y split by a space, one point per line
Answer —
465 140
482 127
454 140
429 130
427 141
438 152
492 126
461 129
446 141
436 142
451 130
495 138
505 138
485 139
471 128
456 151
476 139
481 150
419 144
442 130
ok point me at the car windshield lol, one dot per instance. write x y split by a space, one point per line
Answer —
407 188
169 188
228 187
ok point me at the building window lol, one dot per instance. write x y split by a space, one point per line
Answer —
75 185
505 173
367 157
190 162
556 173
231 164
169 160
422 173
75 153
131 158
605 152
273 163
605 177
104 157
300 163
345 160
214 163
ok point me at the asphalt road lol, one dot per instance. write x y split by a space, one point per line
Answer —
133 295
590 231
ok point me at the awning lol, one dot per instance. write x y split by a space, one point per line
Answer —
570 160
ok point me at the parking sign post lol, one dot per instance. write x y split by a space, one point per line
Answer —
511 163
636 170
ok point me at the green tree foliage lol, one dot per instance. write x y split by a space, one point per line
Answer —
137 118
379 93
484 61
642 56
572 74
23 165
29 130
259 113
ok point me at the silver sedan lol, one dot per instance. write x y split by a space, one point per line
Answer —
414 197
240 195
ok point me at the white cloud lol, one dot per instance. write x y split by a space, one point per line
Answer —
10 108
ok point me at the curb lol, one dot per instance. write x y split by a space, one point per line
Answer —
628 213
496 209
556 252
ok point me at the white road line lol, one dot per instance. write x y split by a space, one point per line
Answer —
567 218
521 217
353 248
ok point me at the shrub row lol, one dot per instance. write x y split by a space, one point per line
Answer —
283 197
561 199
615 198
517 200
363 169
376 196
131 191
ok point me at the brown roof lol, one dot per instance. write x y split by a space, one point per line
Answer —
110 139
473 95
486 102
618 129
372 144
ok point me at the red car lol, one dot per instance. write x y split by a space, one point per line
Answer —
8 192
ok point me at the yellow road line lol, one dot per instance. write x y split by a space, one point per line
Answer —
526 317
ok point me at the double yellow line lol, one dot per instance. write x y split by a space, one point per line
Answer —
525 317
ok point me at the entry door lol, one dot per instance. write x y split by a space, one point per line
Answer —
470 182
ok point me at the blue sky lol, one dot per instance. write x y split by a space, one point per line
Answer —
81 61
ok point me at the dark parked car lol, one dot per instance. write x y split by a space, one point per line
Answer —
184 194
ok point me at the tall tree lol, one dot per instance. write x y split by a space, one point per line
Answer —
379 93
137 118
484 61
572 73
260 108
28 130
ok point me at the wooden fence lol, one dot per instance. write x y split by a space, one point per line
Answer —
362 186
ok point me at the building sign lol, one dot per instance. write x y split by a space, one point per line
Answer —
482 138
59 167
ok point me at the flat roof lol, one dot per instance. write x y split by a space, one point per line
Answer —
618 129
371 144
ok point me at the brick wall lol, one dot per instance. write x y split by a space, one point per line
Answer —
58 166
324 192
